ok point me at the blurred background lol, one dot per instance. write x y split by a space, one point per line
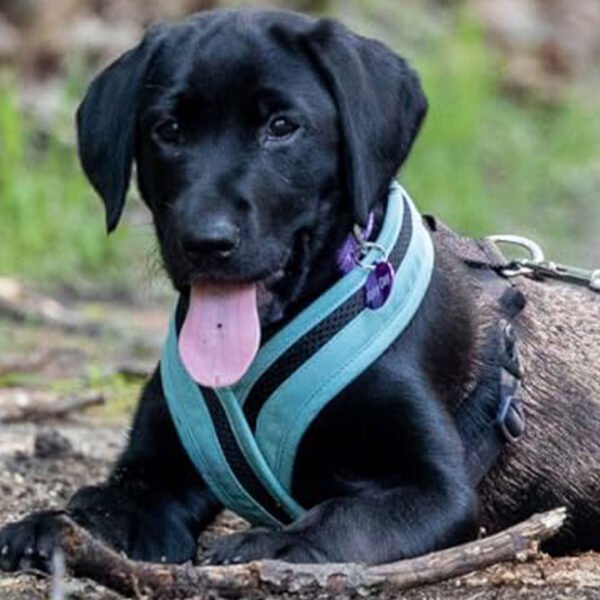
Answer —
511 144
512 141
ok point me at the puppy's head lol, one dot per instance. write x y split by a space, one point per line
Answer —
259 138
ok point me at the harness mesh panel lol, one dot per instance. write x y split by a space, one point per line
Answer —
317 337
298 354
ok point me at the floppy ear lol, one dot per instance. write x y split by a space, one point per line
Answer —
381 106
106 122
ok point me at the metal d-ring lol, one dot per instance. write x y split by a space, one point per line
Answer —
522 266
365 247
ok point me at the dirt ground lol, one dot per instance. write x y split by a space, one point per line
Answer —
44 458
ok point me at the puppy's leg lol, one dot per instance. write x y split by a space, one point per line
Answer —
152 507
385 520
388 526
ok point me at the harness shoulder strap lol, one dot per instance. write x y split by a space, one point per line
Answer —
493 413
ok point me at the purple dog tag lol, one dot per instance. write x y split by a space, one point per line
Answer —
378 286
350 252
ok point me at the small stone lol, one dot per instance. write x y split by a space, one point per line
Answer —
51 444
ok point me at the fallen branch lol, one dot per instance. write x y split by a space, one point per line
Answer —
60 408
25 364
136 369
26 306
87 557
20 305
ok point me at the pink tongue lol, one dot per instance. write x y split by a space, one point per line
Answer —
221 333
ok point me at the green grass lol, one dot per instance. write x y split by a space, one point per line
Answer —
487 164
52 225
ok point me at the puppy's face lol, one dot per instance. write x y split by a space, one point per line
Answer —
237 154
259 138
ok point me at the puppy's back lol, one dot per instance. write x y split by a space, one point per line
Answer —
557 461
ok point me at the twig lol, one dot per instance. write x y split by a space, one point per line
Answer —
22 364
50 411
27 306
20 305
138 369
88 557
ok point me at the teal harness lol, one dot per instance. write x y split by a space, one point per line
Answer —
243 439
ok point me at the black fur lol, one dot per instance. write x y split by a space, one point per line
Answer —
382 468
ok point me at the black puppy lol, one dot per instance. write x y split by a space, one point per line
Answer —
260 138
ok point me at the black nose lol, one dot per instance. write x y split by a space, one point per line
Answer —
217 238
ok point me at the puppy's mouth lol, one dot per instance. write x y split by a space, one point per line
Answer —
221 333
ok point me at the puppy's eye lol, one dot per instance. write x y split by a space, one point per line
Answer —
168 131
281 127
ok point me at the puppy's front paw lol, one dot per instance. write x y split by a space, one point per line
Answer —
259 543
29 543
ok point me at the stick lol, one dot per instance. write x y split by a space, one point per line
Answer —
50 411
136 368
88 557
22 305
41 310
24 364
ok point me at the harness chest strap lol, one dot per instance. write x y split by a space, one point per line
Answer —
243 439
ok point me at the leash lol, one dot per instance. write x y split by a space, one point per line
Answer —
537 267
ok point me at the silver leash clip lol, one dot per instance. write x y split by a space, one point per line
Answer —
536 265
578 275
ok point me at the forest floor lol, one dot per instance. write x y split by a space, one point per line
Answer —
97 356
